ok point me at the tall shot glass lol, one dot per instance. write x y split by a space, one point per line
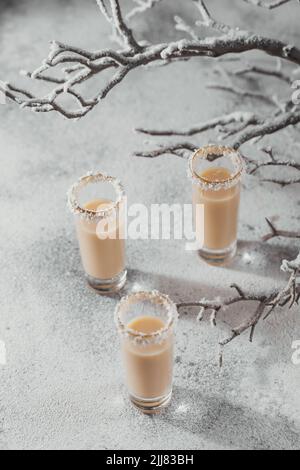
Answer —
146 323
98 202
216 173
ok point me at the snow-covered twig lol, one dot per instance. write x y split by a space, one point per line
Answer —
262 70
249 127
181 25
141 7
269 126
180 150
241 93
83 65
270 5
267 302
221 121
275 232
274 162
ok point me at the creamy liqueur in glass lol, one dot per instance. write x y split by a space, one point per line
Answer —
216 174
146 323
98 202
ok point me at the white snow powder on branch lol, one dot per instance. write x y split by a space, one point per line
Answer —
82 65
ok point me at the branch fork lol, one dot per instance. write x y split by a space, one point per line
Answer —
266 304
82 65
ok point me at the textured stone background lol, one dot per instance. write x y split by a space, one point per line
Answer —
62 385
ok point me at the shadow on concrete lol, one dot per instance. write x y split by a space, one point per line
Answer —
264 259
226 424
181 290
178 289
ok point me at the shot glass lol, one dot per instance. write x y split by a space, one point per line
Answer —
98 203
146 323
216 173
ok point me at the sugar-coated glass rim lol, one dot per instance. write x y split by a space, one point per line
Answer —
219 151
154 297
93 178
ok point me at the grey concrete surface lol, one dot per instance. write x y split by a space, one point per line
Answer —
62 386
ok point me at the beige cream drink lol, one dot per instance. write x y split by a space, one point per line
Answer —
149 368
146 324
102 254
98 203
220 210
216 173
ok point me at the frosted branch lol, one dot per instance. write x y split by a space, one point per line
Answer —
141 7
272 161
180 150
275 232
238 128
276 72
82 65
235 117
209 21
122 27
268 4
235 90
181 25
268 127
267 303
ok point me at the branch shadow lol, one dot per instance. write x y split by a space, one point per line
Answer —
264 259
179 289
182 290
224 423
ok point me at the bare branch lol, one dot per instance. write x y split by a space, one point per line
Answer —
274 232
249 324
282 182
13 92
121 33
253 126
260 70
44 78
248 126
269 126
123 29
274 162
209 21
142 7
235 90
82 65
181 25
269 5
178 150
101 4
290 294
236 117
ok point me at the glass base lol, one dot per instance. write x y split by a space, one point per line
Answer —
218 257
108 286
151 406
